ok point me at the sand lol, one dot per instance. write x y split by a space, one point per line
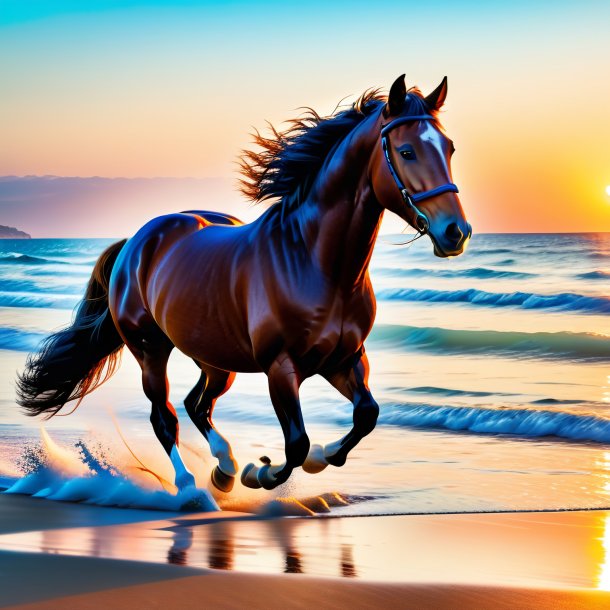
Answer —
248 591
58 555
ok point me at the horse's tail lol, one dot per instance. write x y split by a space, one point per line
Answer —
74 361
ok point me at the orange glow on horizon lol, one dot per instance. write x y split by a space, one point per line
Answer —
173 96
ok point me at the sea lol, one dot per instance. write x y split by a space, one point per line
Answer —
492 371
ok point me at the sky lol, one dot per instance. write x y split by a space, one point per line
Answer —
173 89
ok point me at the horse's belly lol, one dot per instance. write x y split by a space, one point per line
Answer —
207 340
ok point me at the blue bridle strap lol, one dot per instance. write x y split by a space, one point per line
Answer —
403 120
439 190
422 223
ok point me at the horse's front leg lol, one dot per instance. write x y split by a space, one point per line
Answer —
352 382
284 383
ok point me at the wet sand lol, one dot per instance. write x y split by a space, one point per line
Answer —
234 591
72 556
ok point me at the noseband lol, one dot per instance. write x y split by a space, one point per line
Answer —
422 224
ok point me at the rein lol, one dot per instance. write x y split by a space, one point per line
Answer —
422 224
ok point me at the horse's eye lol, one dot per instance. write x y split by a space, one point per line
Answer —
409 155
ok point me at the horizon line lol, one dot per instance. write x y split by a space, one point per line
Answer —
115 177
387 234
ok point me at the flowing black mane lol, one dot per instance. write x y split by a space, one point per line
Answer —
289 161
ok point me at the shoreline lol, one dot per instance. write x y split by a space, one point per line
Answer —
146 559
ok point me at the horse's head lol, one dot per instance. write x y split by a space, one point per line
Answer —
411 170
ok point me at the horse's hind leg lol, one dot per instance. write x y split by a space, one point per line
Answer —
152 357
199 404
352 382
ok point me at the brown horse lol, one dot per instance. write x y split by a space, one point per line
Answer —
288 294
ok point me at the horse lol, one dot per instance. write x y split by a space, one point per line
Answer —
288 295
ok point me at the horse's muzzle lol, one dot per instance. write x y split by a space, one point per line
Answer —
453 240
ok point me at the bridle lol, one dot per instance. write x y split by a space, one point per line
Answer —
421 222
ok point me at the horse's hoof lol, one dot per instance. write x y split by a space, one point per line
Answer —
315 461
249 478
334 455
266 477
222 481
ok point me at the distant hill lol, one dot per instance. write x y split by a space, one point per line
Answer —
12 233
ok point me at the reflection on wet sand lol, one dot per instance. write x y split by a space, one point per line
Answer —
565 549
221 551
181 543
293 563
348 569
227 548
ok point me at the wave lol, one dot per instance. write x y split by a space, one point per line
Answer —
23 259
594 275
20 340
475 272
565 301
450 392
52 301
559 345
33 286
486 251
521 422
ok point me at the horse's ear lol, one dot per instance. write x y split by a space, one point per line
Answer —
436 99
396 99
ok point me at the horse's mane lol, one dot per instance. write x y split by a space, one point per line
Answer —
288 162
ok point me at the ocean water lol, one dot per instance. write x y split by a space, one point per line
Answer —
492 371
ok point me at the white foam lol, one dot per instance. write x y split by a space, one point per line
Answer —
79 476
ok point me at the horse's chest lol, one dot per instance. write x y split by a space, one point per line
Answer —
336 332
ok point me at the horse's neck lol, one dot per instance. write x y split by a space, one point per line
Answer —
340 219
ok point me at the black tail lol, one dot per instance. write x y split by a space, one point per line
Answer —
74 361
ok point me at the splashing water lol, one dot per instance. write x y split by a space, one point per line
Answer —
78 475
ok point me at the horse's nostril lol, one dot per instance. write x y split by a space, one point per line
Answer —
422 223
453 232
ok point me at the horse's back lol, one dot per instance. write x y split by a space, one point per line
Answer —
216 218
142 255
153 240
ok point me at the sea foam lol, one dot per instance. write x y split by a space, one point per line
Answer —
521 422
57 473
482 273
20 340
565 301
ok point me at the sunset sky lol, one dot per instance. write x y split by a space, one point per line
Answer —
172 89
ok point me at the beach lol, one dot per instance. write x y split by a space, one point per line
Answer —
149 559
485 483
491 372
230 231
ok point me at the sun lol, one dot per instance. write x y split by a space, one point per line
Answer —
608 190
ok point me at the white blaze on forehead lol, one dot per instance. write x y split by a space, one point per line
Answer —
431 135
